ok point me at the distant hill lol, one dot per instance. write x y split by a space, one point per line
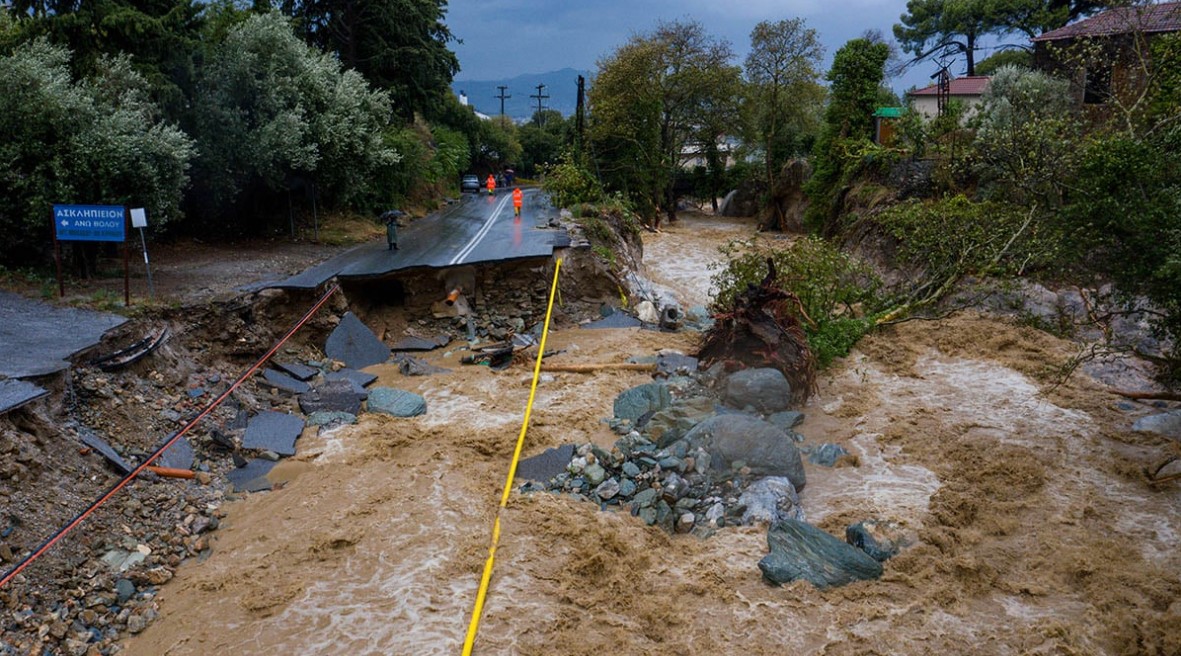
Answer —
561 87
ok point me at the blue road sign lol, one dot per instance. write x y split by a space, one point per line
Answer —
89 222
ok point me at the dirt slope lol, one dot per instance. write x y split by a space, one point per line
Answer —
1035 531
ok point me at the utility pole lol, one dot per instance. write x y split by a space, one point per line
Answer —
579 112
502 97
539 98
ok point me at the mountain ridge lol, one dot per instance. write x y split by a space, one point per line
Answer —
561 86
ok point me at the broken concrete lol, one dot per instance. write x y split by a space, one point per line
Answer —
15 393
333 396
546 465
419 344
360 378
252 477
273 431
298 371
283 382
355 345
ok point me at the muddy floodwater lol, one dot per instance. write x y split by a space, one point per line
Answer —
1034 530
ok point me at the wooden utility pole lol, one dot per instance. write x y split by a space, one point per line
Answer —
502 97
539 96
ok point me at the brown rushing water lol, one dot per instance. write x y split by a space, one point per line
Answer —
1036 533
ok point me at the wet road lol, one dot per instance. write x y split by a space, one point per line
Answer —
480 228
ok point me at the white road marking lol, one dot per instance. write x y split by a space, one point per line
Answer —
471 245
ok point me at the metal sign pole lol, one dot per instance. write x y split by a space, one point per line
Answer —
139 219
126 263
147 265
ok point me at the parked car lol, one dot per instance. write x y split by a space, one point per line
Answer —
470 183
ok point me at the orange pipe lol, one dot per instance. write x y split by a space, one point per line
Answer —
170 472
453 296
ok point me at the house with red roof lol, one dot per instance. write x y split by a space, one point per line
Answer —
967 90
1109 54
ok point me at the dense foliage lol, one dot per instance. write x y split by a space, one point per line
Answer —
68 140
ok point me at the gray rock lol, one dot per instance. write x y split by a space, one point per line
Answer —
640 400
419 344
355 345
880 540
545 465
331 418
802 551
298 371
765 389
283 382
787 419
627 488
124 590
769 500
826 455
646 497
273 431
333 396
396 402
672 423
608 489
1167 424
766 449
594 473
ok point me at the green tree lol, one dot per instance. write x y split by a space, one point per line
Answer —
651 98
543 141
783 71
856 77
274 114
97 141
932 27
400 46
162 37
1019 58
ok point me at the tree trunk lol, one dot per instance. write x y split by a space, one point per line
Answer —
971 54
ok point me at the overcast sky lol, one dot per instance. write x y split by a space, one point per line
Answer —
505 38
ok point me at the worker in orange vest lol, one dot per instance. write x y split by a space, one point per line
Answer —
518 197
491 184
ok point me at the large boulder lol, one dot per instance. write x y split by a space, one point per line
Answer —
396 402
734 441
802 551
764 389
333 396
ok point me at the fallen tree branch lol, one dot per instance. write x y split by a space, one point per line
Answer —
1163 396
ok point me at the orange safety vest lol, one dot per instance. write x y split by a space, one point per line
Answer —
517 197
491 182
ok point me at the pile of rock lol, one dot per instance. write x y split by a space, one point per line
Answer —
688 461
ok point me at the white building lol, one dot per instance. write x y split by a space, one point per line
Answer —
967 89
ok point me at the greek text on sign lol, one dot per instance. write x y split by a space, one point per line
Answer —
89 222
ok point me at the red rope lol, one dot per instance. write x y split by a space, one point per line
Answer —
81 517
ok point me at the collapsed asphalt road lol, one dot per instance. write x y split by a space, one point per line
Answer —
477 229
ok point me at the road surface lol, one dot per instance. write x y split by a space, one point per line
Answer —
480 228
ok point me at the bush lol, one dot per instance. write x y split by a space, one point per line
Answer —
569 184
837 293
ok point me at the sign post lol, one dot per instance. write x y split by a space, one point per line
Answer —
139 219
90 223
